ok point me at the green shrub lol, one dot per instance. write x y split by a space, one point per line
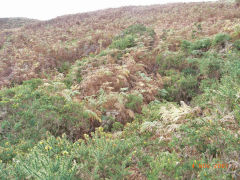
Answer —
189 71
211 66
170 60
78 74
236 44
117 126
202 44
221 39
198 132
65 67
165 165
134 102
138 29
102 53
68 81
123 43
134 29
98 157
185 45
33 83
128 38
31 110
181 87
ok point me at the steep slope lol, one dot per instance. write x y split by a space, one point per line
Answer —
35 50
129 93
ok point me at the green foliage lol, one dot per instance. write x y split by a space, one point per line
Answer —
138 29
211 66
117 126
202 44
167 165
223 93
68 81
170 60
185 45
64 68
103 53
33 83
31 110
134 102
221 39
123 43
206 136
236 44
128 38
134 29
58 158
180 86
197 47
163 140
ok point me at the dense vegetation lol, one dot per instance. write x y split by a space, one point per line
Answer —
9 23
148 105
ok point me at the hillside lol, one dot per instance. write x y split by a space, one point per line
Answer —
141 92
10 23
35 49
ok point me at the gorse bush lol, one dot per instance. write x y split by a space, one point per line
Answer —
202 44
169 61
129 37
180 87
138 29
58 158
134 102
123 43
134 29
185 45
236 44
221 39
34 110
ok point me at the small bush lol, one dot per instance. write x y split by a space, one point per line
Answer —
210 66
29 110
138 29
199 132
68 81
134 102
33 83
185 45
170 60
117 126
236 44
98 157
64 68
134 29
221 39
165 165
181 87
202 44
123 43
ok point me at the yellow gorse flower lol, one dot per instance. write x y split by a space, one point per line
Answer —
65 153
100 129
